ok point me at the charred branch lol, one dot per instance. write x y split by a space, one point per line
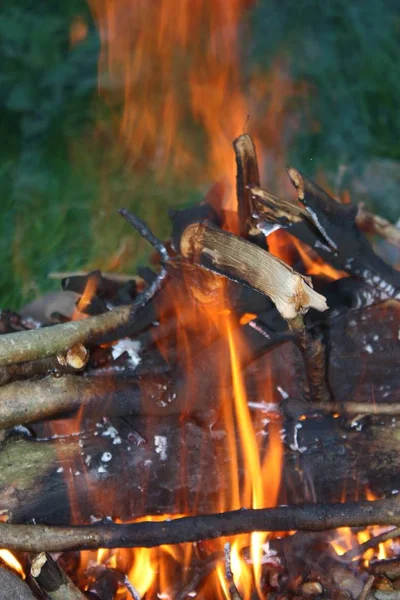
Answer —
52 580
354 253
376 225
145 232
247 175
242 261
304 517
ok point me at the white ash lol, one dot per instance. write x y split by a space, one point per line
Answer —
88 460
60 469
77 473
110 432
295 445
22 429
106 457
282 392
117 440
264 406
160 443
369 349
132 347
102 469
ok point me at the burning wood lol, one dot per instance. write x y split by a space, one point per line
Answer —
231 343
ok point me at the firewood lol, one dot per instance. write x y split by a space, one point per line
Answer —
354 253
247 175
286 213
24 402
41 343
376 225
73 360
12 587
240 260
304 517
52 580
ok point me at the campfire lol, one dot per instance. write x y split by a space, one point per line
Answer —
223 425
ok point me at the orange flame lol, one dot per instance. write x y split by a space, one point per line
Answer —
12 562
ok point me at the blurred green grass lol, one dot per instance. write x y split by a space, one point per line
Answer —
61 185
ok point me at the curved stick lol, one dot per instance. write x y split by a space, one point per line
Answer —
306 517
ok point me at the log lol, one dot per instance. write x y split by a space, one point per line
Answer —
52 580
24 402
147 534
245 262
13 588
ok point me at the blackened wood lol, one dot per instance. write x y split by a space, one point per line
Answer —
145 232
304 517
338 221
13 588
52 580
247 175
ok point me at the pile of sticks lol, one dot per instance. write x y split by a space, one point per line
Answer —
49 373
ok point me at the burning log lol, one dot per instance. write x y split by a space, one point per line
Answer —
147 534
52 580
12 587
291 292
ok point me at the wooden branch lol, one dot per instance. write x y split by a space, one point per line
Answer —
24 402
72 361
145 232
371 543
354 253
376 225
13 588
314 356
287 213
247 175
240 260
52 580
48 341
344 408
305 517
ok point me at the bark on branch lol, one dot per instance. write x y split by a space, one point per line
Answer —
24 402
48 341
305 517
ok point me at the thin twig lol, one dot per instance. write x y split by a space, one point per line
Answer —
233 591
145 232
367 588
305 517
40 343
372 543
